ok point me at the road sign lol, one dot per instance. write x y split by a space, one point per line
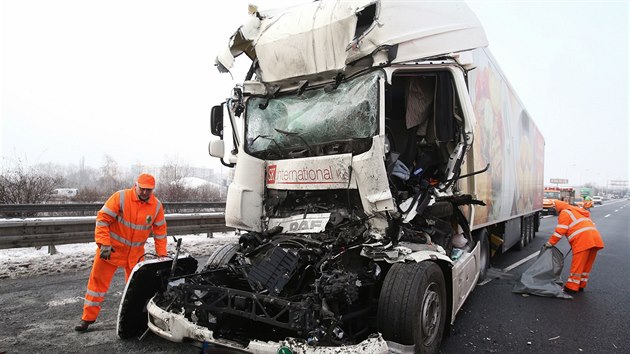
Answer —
558 181
618 183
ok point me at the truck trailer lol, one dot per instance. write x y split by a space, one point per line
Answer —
380 158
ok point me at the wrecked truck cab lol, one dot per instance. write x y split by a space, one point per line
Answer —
335 237
362 226
346 194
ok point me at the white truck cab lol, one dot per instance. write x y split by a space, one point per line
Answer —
363 205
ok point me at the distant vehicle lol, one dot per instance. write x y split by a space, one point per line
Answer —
550 193
586 192
64 193
597 199
578 201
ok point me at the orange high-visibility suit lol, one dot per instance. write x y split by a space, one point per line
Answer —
125 222
585 241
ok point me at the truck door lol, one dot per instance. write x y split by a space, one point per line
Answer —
425 128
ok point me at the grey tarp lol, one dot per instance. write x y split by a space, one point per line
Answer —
542 278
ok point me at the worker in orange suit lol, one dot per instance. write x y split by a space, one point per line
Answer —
575 224
123 225
588 203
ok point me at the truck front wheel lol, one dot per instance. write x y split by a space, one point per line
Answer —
412 306
222 256
483 237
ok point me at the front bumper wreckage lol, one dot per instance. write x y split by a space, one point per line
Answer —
175 327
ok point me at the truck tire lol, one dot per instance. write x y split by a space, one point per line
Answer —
222 256
530 229
483 237
523 241
412 306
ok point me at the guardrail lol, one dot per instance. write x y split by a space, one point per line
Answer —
15 233
16 210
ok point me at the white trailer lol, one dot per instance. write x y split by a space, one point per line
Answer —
378 149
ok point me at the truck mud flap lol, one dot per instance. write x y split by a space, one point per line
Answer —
145 281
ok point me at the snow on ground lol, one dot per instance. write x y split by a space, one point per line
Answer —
196 182
29 261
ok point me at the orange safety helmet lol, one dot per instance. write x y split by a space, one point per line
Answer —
146 181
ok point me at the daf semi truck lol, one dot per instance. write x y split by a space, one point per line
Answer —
380 157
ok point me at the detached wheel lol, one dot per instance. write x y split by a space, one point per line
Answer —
222 256
412 306
483 237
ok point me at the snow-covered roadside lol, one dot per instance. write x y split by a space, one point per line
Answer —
29 261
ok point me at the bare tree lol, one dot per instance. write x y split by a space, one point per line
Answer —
90 195
22 185
206 193
171 185
82 176
110 180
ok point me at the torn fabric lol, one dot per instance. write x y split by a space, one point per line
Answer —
542 278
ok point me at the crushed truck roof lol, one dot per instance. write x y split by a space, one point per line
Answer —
323 37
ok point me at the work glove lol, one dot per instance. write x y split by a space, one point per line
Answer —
400 170
106 252
547 245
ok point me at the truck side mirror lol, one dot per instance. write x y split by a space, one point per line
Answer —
216 148
216 121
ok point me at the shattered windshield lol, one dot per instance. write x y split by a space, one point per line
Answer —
313 118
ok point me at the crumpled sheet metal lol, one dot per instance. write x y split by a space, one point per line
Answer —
542 278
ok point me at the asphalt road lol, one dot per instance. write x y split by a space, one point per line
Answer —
495 320
37 314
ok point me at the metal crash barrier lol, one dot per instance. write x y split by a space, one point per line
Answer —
35 232
88 209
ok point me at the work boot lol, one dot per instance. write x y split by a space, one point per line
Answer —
569 291
83 326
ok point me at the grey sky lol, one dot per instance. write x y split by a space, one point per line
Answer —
135 79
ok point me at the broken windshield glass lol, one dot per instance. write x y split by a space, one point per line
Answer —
314 117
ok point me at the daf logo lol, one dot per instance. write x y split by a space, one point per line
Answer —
304 225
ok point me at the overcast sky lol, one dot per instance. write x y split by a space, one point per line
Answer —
136 80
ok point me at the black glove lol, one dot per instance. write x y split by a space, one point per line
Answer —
106 251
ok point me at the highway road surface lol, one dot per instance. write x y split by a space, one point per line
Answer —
38 313
495 320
